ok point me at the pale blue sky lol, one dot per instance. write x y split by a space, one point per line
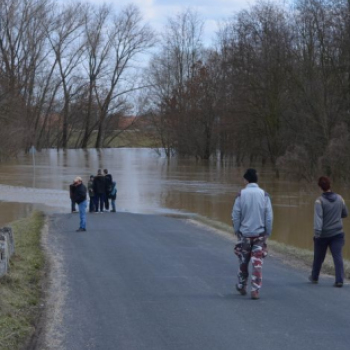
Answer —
156 12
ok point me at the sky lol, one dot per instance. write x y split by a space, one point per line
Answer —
156 12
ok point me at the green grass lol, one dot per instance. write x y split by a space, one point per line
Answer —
20 290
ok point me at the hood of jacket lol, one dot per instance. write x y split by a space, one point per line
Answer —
329 196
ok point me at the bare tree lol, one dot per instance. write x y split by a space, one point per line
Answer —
169 74
23 54
110 55
65 36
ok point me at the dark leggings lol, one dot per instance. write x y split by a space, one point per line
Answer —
99 201
335 244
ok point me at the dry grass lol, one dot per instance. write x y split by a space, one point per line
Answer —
20 290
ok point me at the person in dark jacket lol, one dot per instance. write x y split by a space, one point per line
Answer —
71 195
80 197
91 194
113 196
99 186
109 181
329 210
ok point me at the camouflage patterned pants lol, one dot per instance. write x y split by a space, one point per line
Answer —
252 249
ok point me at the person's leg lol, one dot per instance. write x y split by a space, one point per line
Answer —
258 248
99 202
106 201
73 205
91 205
336 245
113 205
96 202
102 201
82 213
320 249
243 251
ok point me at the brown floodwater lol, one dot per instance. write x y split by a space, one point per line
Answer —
149 183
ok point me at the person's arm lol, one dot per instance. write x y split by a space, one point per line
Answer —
84 192
236 214
318 218
268 216
344 211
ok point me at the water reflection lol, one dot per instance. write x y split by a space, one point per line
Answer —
148 183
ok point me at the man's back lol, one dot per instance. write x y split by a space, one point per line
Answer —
100 184
252 212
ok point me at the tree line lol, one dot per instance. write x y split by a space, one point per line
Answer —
66 72
273 88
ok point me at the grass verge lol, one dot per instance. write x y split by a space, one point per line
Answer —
20 290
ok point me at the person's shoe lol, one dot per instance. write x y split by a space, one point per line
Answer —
242 290
81 229
338 284
255 295
74 211
312 280
113 211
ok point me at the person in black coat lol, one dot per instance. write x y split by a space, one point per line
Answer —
80 197
99 186
109 181
71 195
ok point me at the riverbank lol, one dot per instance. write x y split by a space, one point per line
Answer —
21 290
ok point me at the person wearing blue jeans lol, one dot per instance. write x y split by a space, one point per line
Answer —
80 197
82 214
330 209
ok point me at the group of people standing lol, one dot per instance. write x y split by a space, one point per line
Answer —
252 218
101 189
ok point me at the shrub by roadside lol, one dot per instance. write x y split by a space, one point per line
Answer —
20 290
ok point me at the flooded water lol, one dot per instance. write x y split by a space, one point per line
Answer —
148 183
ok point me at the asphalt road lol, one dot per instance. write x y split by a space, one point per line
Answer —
146 282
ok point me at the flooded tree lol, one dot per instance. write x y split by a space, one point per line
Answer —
169 77
64 35
22 57
109 56
56 57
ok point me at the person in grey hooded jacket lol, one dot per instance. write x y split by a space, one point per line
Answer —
330 208
252 222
